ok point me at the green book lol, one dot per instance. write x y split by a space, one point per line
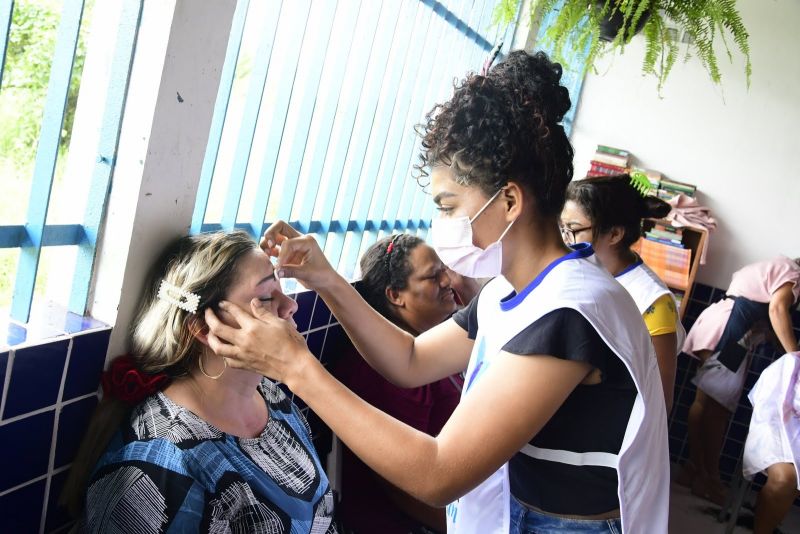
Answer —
612 150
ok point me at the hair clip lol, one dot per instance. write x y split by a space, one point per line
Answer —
181 298
640 182
490 59
390 246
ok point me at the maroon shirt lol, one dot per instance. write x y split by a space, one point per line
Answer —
365 506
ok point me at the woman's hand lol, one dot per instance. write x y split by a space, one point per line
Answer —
263 342
299 256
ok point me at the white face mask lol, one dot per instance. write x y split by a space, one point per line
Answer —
452 241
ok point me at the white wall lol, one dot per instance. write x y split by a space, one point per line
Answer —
741 148
171 97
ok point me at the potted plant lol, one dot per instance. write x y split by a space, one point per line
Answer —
590 25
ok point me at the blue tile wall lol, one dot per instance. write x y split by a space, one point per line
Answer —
46 406
321 316
21 509
315 322
35 377
57 516
72 423
3 366
334 342
86 363
315 342
702 293
305 306
25 449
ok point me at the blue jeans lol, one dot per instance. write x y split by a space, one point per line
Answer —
527 521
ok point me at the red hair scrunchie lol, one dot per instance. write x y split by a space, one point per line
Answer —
123 381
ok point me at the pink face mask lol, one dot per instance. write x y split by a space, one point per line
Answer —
452 241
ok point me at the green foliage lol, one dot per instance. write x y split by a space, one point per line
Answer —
577 28
29 56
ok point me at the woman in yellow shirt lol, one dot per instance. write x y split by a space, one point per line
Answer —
607 212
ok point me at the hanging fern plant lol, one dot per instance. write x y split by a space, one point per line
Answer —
577 27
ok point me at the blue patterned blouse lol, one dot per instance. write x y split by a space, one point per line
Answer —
170 471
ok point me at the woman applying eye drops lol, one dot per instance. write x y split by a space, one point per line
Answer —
561 423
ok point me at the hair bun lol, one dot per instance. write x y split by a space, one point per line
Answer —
504 126
655 208
534 81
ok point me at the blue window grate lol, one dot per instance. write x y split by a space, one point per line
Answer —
313 123
314 119
35 233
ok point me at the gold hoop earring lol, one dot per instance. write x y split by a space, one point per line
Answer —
212 377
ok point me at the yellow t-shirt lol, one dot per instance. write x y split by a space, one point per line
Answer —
661 317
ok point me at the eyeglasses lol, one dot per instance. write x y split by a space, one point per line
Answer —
568 234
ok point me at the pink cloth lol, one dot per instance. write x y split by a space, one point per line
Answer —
757 282
686 211
707 330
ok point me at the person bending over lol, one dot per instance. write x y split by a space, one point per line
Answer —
762 293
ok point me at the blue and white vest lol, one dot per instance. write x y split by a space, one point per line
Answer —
646 287
579 282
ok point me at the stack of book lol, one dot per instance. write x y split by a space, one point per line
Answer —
668 189
670 263
608 161
666 234
654 177
663 251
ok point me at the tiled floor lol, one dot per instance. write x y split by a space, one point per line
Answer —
692 515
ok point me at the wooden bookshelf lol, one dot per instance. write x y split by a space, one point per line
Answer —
676 266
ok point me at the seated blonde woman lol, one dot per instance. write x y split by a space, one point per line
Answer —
181 441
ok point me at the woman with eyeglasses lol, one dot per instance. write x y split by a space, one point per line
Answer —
561 425
608 213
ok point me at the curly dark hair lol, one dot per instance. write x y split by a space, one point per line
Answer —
613 201
382 267
504 126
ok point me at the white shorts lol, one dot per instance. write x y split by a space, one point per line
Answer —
720 383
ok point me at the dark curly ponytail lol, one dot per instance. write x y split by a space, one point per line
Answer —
504 126
612 201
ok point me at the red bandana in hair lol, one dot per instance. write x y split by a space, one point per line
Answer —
123 381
